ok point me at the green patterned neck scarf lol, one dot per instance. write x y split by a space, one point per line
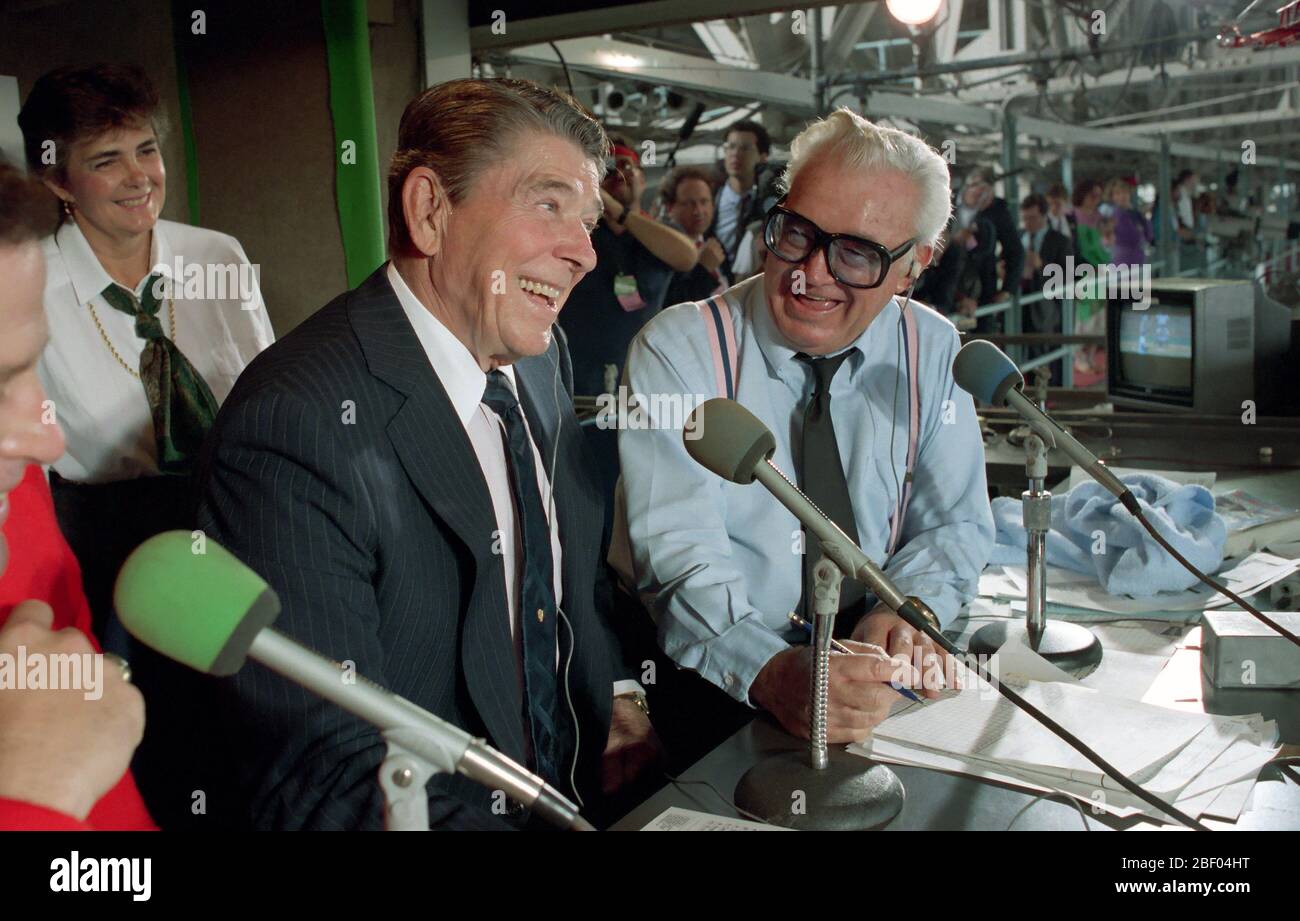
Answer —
183 407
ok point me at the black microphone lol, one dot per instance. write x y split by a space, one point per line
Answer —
688 126
733 443
684 133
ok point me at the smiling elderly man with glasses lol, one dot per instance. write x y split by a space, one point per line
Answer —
854 379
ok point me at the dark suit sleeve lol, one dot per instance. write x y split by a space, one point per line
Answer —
280 491
986 240
1013 251
1056 248
942 288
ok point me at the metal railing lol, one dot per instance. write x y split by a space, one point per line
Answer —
1014 308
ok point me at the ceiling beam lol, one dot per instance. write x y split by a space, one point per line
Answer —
695 74
1210 122
1117 140
672 68
625 18
1222 65
712 78
850 23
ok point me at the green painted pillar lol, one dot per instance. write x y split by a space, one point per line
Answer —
181 36
356 150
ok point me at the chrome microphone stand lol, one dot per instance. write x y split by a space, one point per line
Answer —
1070 646
826 788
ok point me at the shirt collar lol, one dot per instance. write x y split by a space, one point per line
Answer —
160 255
88 275
457 370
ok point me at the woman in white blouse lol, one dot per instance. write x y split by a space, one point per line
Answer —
150 321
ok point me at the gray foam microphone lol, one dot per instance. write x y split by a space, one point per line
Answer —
986 373
738 447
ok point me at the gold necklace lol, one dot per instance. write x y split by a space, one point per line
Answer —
171 313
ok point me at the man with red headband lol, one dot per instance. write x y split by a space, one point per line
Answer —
64 751
636 257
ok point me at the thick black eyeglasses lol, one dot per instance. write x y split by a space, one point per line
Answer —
853 261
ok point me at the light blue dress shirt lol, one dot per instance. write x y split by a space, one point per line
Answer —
718 563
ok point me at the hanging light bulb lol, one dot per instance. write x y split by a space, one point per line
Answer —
913 12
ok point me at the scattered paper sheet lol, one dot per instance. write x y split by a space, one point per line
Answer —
980 724
1241 511
1204 764
677 819
1134 651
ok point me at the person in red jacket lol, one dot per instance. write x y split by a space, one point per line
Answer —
64 752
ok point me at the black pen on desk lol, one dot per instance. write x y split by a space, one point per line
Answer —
837 646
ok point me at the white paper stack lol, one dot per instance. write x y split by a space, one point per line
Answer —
674 818
1203 764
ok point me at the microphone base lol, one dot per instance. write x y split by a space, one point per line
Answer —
1070 647
850 794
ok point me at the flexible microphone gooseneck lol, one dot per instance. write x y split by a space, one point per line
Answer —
988 374
738 447
211 612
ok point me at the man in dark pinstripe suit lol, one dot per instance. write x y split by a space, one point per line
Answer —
358 469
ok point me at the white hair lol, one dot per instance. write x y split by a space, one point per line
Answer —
856 142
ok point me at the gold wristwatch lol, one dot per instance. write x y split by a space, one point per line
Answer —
638 698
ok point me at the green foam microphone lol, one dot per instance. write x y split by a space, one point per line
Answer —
190 599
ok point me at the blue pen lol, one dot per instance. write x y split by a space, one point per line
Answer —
837 646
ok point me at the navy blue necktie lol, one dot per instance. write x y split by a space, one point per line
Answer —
548 725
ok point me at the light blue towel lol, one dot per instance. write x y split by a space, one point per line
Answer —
1093 533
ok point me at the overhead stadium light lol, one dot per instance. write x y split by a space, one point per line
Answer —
913 12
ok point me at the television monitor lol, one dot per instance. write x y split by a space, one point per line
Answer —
1199 345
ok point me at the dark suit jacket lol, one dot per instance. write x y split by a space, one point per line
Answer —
1054 249
339 472
1013 252
695 285
959 271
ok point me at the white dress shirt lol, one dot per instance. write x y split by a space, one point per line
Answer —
102 407
731 207
745 265
465 383
1060 223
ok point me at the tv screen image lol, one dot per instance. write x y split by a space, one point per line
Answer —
1155 347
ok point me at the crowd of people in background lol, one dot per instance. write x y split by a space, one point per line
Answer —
704 235
1096 224
985 255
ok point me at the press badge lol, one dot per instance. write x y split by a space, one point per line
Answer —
629 298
